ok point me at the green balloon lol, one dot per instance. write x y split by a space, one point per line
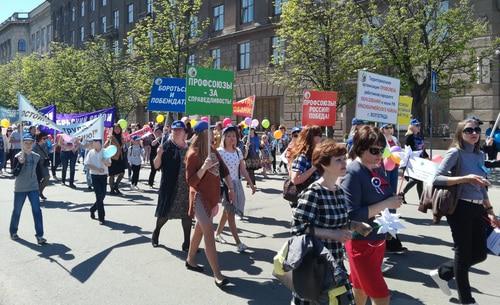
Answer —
387 153
123 123
265 123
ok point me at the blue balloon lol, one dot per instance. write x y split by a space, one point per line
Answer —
497 138
109 151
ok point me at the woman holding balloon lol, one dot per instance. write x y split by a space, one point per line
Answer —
118 162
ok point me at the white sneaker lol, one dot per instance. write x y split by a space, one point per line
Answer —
220 239
442 284
242 247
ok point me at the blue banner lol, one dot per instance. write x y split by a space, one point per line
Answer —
11 114
168 94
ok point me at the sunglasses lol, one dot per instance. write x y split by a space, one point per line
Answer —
295 135
388 127
376 150
470 130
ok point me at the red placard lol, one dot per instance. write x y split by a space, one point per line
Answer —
319 108
244 107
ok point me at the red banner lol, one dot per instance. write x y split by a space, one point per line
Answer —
319 108
244 107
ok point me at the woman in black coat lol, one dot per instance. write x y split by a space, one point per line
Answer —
173 197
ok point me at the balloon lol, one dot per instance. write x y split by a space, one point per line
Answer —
255 123
437 159
243 124
389 165
497 138
184 119
5 123
204 118
248 121
67 138
123 123
246 131
278 134
160 118
395 158
193 122
265 123
395 149
387 153
226 122
109 151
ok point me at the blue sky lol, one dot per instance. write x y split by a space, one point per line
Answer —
8 7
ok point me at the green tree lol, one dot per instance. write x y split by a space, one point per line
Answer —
317 48
164 41
410 38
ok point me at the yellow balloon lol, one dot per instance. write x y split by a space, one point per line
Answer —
396 158
243 124
5 123
278 134
160 118
193 123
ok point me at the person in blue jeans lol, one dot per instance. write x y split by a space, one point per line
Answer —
26 185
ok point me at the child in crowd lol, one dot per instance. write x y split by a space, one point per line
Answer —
135 153
265 155
98 167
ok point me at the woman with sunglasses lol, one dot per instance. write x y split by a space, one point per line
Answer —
367 192
474 209
415 140
233 159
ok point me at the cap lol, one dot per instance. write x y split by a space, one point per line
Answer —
296 129
385 125
475 118
356 122
178 125
414 122
200 127
159 128
136 138
229 128
28 137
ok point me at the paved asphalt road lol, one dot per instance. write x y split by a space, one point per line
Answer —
85 263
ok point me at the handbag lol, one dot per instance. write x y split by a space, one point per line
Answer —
291 191
442 199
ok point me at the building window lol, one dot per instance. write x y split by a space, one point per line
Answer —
73 14
278 5
83 9
92 28
277 51
82 34
130 45
73 41
150 7
246 11
32 44
103 24
131 13
116 47
244 58
92 5
216 58
49 34
21 45
219 18
116 19
42 38
194 26
191 60
104 2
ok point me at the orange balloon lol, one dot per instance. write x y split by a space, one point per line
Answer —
278 134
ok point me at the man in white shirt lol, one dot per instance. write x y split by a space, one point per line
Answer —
98 166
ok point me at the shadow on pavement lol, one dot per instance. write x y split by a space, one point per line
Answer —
268 292
126 228
270 191
424 222
83 271
424 240
49 251
268 221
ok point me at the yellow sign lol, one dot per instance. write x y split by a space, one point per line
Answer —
404 110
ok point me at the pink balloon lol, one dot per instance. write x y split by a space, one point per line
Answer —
204 118
248 121
226 122
255 123
437 159
389 165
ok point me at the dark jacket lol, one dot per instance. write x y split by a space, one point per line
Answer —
170 166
